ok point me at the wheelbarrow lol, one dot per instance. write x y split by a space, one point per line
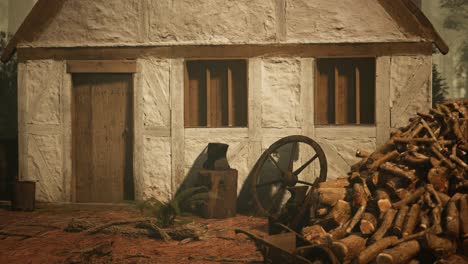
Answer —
285 244
290 248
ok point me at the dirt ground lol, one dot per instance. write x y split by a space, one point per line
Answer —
49 243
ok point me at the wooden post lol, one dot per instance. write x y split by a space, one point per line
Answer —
230 97
187 121
209 105
358 95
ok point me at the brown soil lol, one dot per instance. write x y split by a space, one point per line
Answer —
51 244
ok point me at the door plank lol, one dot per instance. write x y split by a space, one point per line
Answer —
104 141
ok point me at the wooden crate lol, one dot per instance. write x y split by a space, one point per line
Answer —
222 185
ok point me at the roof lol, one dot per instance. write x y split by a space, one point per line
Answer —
45 10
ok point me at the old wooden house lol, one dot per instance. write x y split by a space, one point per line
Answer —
118 99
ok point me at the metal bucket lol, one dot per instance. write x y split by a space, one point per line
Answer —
24 196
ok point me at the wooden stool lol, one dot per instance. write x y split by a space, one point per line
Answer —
222 186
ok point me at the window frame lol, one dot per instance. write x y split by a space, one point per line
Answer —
186 92
358 99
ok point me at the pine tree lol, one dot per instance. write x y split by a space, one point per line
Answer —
439 86
8 93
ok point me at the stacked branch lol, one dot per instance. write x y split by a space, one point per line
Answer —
408 199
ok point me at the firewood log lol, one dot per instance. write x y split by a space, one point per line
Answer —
428 200
425 115
415 161
452 220
442 158
362 154
430 189
336 183
349 247
440 246
384 205
416 130
340 213
395 183
436 220
435 162
381 194
411 220
339 232
322 211
399 254
456 129
438 177
368 223
410 198
424 221
383 159
400 220
386 224
444 198
464 216
330 196
414 140
359 199
382 198
402 193
359 196
395 170
369 254
315 234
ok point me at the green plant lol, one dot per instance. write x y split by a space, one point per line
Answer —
166 212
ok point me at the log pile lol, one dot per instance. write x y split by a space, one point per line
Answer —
408 200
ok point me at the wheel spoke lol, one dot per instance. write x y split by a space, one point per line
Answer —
298 171
263 184
291 156
276 164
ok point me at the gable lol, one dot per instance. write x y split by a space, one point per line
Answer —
101 23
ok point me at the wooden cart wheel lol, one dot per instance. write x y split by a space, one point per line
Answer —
275 171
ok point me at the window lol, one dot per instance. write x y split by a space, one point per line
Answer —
345 91
215 93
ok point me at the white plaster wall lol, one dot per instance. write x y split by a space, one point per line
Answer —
168 22
340 21
281 90
90 22
41 128
211 21
410 87
155 74
281 93
155 180
152 121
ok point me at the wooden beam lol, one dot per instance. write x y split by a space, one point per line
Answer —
230 97
101 66
228 51
339 108
357 84
209 104
186 97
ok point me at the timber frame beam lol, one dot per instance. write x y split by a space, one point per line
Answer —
101 66
228 51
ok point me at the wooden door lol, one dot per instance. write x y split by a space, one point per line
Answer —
102 138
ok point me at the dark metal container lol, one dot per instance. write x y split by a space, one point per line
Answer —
24 196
